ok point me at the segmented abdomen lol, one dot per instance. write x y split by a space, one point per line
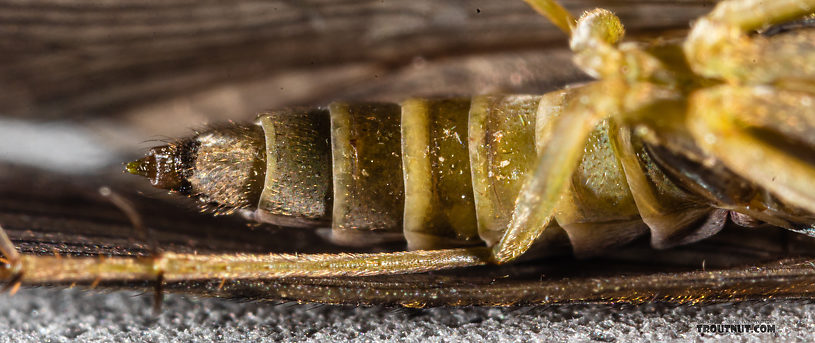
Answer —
446 172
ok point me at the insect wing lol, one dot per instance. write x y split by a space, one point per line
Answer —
238 60
67 217
466 48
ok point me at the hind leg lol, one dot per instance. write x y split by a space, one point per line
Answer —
582 110
31 269
592 38
762 134
720 45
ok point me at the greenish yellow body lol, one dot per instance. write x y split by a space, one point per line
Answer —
443 173
726 114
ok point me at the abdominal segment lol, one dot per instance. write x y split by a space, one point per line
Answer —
442 173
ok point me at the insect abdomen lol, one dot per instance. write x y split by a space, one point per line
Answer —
446 172
376 150
435 172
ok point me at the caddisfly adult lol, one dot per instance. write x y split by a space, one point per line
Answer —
673 138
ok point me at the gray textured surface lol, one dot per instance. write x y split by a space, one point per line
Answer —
40 315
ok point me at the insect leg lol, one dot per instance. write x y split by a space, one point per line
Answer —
761 133
555 13
719 46
672 216
12 260
180 267
535 205
7 248
594 39
138 224
563 145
